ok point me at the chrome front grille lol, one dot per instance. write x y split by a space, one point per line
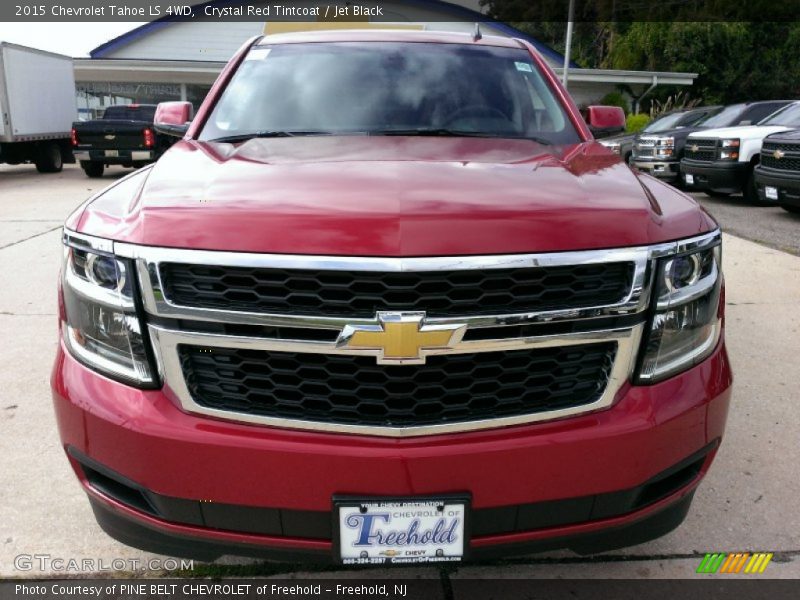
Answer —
781 157
363 293
645 147
496 365
355 390
700 149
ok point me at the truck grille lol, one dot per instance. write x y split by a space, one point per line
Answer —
789 162
706 150
362 293
645 147
354 390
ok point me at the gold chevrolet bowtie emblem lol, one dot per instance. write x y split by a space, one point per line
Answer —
778 154
400 337
694 147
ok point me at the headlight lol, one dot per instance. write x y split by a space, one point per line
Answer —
102 329
729 149
664 147
615 147
685 326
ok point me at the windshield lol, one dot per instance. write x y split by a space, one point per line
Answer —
664 123
725 117
130 113
788 116
379 88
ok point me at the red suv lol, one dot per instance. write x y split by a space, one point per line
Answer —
388 301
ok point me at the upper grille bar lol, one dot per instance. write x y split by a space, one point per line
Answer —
156 301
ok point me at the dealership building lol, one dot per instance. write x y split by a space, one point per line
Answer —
179 59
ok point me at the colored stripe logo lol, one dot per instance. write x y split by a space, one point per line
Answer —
735 563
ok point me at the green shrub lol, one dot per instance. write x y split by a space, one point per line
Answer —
616 99
636 123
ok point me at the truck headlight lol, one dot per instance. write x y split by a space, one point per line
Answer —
729 149
101 327
664 147
685 325
615 147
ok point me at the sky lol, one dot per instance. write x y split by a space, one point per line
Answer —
72 39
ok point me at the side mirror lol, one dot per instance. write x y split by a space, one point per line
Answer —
172 118
605 120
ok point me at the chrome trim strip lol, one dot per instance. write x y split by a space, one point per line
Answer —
166 344
377 264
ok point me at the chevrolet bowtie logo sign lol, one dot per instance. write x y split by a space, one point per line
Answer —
400 337
694 147
778 154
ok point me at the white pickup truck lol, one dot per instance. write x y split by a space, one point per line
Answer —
720 162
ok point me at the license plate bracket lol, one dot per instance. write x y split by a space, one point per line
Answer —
382 530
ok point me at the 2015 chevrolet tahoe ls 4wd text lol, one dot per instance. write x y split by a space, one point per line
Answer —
387 301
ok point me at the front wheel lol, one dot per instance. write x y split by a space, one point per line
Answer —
48 158
92 168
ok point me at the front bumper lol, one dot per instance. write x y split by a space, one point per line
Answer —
722 177
666 170
786 183
123 156
591 482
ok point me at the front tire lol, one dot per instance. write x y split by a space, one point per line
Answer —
750 190
92 168
48 158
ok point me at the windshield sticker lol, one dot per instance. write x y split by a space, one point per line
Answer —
521 66
258 53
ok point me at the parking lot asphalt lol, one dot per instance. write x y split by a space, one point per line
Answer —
747 502
768 225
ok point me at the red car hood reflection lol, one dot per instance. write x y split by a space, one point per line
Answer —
393 196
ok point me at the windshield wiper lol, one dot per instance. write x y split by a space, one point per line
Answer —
445 132
243 137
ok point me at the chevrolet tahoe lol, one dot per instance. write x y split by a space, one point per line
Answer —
387 300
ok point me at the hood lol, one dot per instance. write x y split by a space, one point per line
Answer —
390 196
790 135
745 132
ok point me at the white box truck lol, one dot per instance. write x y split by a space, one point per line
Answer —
37 107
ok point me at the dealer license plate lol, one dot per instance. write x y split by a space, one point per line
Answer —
771 192
689 179
402 531
112 153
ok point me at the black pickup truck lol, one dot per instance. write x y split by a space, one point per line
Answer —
124 136
777 176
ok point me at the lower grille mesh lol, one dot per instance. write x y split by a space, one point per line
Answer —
355 390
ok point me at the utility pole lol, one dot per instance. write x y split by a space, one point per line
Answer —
570 18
